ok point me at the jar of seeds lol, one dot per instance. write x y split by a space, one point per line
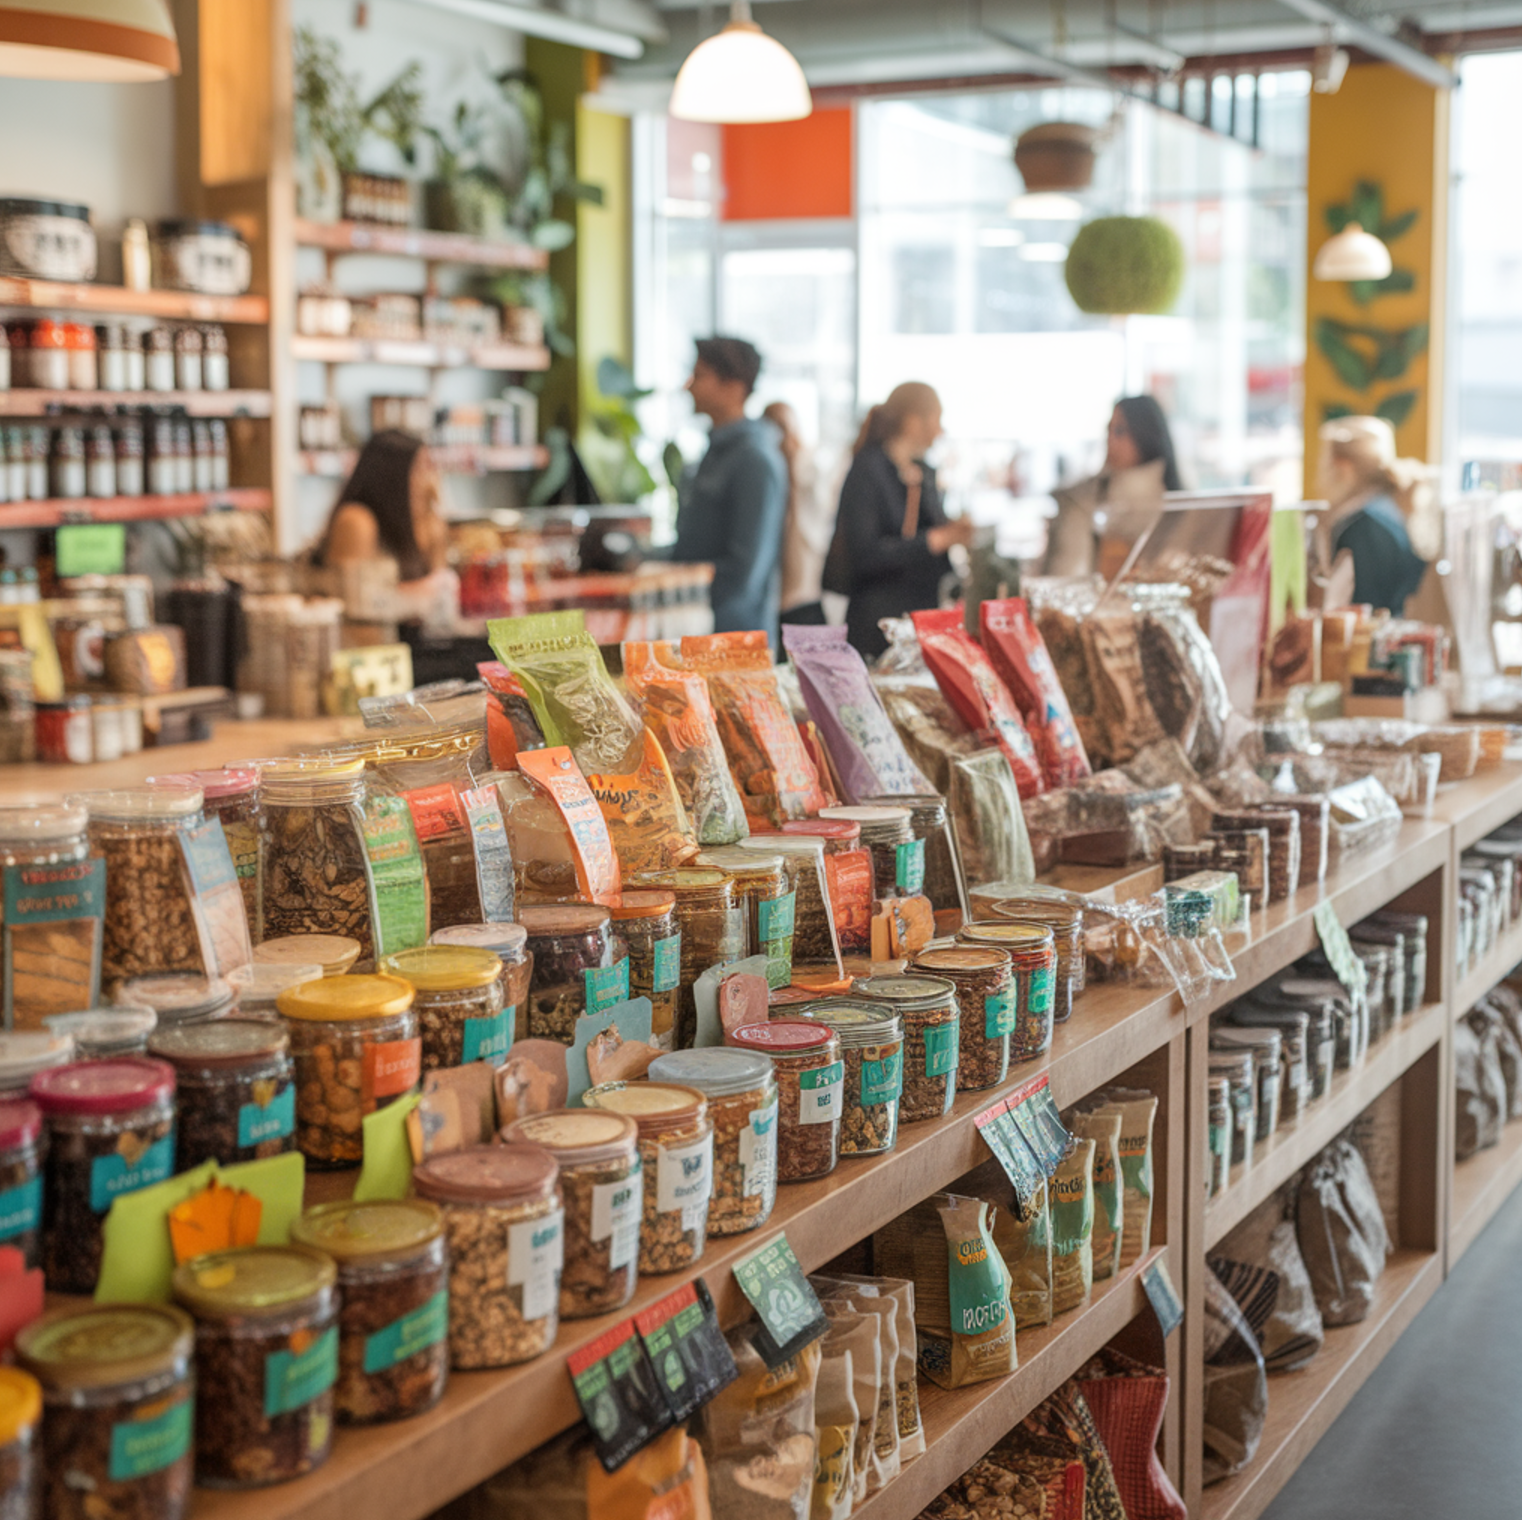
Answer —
646 922
928 1007
986 999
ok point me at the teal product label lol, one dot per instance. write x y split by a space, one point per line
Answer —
941 1049
820 1092
258 1122
607 985
666 967
999 1013
293 1379
779 1292
21 1209
110 1176
882 1081
207 857
775 923
1043 988
73 892
910 866
425 1326
142 1447
979 1298
487 1039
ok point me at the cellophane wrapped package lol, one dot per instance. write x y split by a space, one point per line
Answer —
931 731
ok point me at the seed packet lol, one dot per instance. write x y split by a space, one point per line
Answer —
836 1422
857 1334
619 1394
687 1348
555 776
510 721
1019 655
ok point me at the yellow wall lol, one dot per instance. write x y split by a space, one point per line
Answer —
604 241
1386 126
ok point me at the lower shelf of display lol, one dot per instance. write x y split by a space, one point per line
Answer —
1481 1184
1492 968
1302 1405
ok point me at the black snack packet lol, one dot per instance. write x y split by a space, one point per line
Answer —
791 1316
619 1394
687 1349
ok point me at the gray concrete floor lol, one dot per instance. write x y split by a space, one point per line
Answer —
1435 1430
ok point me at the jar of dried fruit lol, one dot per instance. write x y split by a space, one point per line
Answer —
602 1186
574 966
645 919
805 1057
23 1053
986 1002
21 1179
117 1396
1032 952
110 1129
676 1149
267 1354
393 1318
458 1003
928 1007
509 943
872 1047
742 1102
20 1453
235 1088
355 1043
504 1226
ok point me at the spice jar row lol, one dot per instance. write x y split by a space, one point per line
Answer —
74 356
158 455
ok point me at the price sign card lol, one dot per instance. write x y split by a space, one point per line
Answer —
791 1316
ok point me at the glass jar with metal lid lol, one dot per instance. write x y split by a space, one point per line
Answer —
1032 955
509 943
676 1149
742 1102
267 1354
985 990
1267 1048
645 919
1349 1013
458 1003
711 915
332 954
117 1396
805 1057
235 1090
1382 989
1065 920
928 1006
178 997
602 1190
355 1043
504 1227
770 903
1218 1136
898 858
110 1129
1239 1070
1294 1030
821 925
942 876
20 1446
21 1179
23 1053
872 1047
575 969
312 857
393 1317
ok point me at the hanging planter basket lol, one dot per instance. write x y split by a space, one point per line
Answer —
1124 265
1056 155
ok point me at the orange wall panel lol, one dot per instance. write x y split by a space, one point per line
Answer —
789 169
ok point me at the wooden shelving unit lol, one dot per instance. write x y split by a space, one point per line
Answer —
1493 967
123 509
117 301
36 403
455 459
419 355
416 243
1481 1184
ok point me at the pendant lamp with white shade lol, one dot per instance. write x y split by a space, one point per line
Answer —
1352 254
124 41
741 75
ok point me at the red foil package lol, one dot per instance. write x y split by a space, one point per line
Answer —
1019 656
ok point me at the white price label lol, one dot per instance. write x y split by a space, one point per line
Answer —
821 1094
758 1151
616 1211
535 1254
684 1178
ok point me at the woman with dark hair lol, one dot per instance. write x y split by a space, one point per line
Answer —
389 509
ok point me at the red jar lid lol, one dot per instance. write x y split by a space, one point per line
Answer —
230 781
20 1123
103 1087
782 1036
825 828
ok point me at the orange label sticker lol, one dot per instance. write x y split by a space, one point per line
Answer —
391 1067
555 772
436 811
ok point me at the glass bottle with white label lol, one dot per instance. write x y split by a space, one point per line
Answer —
811 1080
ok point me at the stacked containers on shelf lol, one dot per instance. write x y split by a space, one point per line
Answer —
711 914
817 941
570 944
805 1057
646 921
942 866
898 857
985 995
509 943
1065 920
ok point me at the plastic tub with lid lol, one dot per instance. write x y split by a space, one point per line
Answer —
25 1052
575 968
645 920
509 943
100 1033
872 1047
179 997
805 1057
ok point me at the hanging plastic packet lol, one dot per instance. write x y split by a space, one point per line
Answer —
559 779
686 1346
993 843
619 1394
932 733
216 898
493 854
510 721
397 879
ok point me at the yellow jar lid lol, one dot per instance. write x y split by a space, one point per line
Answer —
444 968
20 1403
252 1280
102 1345
336 999
317 768
369 1229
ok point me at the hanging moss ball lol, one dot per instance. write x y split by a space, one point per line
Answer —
1123 264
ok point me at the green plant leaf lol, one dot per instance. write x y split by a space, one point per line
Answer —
1351 366
553 236
1398 349
674 463
555 474
1337 217
1332 410
1396 407
1397 282
1368 204
1397 226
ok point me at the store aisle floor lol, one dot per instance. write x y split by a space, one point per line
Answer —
1434 1431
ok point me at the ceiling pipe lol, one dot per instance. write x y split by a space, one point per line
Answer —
1372 40
552 26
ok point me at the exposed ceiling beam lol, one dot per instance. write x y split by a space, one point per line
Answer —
553 26
1372 40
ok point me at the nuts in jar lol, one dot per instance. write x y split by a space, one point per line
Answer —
928 1006
458 1003
872 1046
712 920
986 999
504 1227
21 1179
393 1317
20 1454
267 1343
805 1057
570 944
602 1190
509 943
646 922
1032 952
766 896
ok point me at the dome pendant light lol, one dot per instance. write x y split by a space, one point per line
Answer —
124 41
741 75
1352 254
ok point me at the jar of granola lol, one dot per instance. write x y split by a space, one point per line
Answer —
1032 955
928 1007
575 970
117 1395
458 1003
1065 920
355 1043
898 858
393 1317
20 1453
646 922
266 1356
765 893
849 876
21 1179
872 1047
741 1089
504 1226
941 880
711 917
986 1000
602 1187
23 1053
509 943
110 1129
805 1057
676 1149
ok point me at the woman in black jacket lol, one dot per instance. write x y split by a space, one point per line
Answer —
892 536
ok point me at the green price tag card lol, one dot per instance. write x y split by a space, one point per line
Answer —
90 549
779 1292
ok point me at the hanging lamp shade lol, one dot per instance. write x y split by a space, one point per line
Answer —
741 75
102 40
1352 254
1057 156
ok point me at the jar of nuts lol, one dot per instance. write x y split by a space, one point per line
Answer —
568 942
602 1187
928 1006
267 1356
986 999
117 1397
742 1102
1032 951
232 794
805 1058
765 893
1065 920
646 922
21 1179
872 1047
504 1227
458 1003
509 943
235 1088
711 917
355 1043
23 1053
110 1130
20 1453
393 1318
676 1149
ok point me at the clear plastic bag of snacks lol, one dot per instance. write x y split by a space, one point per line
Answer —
984 802
1184 678
510 721
1364 818
931 731
1020 657
1138 822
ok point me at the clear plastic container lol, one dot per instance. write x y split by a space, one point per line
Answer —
24 1053
110 1130
928 1007
458 1003
1032 952
676 1150
1065 920
811 1076
232 794
179 997
942 881
711 915
259 986
20 1446
1413 926
118 1397
985 987
267 1351
393 1318
1239 1070
602 1190
504 1227
355 1043
898 858
646 922
21 1179
509 943
1218 1136
872 1046
1267 1049
1299 1036
832 911
568 942
100 1033
332 954
741 1089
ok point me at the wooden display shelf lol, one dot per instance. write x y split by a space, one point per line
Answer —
1493 967
1480 806
420 354
30 403
961 1424
1302 1405
116 300
112 509
451 459
1481 1184
1295 1143
418 243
